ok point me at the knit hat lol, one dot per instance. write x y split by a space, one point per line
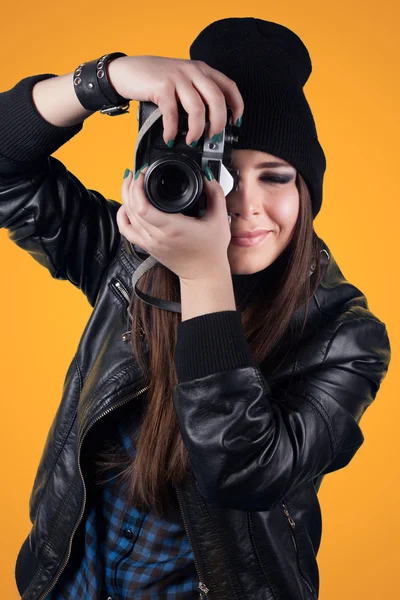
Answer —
270 65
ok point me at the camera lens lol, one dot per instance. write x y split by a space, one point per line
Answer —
172 183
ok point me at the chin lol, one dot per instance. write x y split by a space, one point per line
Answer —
246 261
248 266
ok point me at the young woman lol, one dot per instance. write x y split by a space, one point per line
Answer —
186 455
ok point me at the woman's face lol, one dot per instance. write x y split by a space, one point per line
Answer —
261 202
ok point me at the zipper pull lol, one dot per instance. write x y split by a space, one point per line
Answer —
203 590
128 334
291 521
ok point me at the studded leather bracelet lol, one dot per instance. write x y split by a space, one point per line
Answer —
94 90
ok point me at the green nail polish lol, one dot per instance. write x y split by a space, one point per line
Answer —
171 143
209 173
239 121
139 170
215 138
193 144
127 171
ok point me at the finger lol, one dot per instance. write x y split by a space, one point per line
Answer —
193 105
131 199
125 196
126 228
217 206
210 93
122 218
167 103
125 187
229 88
137 199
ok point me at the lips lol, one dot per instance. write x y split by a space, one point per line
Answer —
248 234
252 240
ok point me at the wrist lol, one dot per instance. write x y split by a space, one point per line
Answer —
115 71
216 273
94 89
208 294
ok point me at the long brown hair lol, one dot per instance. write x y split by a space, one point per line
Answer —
161 456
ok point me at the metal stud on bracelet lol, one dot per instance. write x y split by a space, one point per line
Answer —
94 89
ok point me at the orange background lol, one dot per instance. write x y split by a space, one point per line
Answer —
353 93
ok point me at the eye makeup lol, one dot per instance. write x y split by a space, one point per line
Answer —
277 178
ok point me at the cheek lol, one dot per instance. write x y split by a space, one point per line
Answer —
286 209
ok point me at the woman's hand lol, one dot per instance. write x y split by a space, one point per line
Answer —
193 248
164 81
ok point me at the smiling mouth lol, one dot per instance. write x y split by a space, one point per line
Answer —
250 241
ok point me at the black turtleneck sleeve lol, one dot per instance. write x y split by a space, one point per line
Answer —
25 136
215 342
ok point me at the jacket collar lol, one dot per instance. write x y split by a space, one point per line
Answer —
334 290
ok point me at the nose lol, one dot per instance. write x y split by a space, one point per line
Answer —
242 204
246 212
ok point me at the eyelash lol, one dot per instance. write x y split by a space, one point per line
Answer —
278 180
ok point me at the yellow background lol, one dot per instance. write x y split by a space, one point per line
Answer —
353 93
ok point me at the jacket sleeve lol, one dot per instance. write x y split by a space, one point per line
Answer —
248 447
67 228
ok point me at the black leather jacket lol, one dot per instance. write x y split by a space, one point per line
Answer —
251 513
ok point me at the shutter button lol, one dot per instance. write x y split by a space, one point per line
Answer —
128 533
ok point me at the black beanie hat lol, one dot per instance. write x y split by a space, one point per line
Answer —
270 65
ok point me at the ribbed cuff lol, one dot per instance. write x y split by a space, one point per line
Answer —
25 136
211 343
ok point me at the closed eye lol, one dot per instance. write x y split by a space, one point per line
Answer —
277 180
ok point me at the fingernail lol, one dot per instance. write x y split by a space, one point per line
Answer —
139 170
171 143
239 121
193 144
209 173
127 171
215 138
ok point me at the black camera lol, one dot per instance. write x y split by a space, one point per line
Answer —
173 182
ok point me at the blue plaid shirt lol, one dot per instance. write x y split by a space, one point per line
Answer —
125 553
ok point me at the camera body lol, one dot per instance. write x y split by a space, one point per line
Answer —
173 182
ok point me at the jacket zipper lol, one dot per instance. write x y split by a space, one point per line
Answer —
292 528
58 575
119 286
202 586
204 591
